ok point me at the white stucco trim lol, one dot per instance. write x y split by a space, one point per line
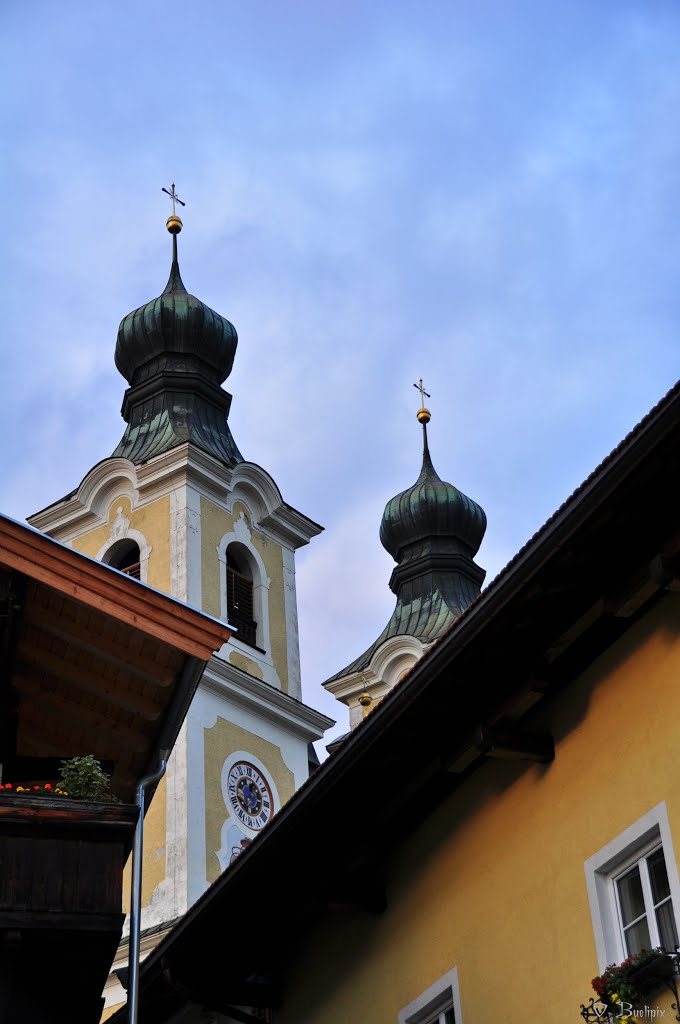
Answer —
169 899
395 656
120 529
600 868
185 545
280 521
441 995
265 701
177 830
241 534
87 506
292 634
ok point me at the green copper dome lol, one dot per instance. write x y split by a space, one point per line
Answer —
431 510
433 531
175 352
175 331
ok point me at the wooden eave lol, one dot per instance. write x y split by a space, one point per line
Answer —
92 661
75 575
595 567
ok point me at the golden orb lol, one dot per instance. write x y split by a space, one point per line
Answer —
173 224
365 699
424 415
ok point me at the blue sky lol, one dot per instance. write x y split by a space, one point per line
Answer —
483 194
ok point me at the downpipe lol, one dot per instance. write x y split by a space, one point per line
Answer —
136 896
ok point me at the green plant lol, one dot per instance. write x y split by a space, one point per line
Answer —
84 779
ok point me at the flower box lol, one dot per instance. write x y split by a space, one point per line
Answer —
60 904
652 974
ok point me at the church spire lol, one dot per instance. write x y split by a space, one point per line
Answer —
432 527
175 352
174 226
433 531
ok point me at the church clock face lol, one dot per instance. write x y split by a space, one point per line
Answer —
249 795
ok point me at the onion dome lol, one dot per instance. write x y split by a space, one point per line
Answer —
431 510
175 352
433 531
174 331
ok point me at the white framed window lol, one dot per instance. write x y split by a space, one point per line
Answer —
439 1004
634 891
644 904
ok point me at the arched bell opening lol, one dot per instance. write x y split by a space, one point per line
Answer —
125 556
242 577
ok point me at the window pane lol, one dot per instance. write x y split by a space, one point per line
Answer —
449 1018
630 895
658 876
637 937
665 919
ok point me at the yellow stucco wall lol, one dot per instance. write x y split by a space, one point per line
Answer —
220 741
215 523
154 849
153 521
494 882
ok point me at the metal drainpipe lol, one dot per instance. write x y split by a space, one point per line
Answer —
136 898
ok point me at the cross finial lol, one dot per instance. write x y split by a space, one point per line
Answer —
423 413
175 198
173 223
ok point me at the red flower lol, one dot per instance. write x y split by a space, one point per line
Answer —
47 786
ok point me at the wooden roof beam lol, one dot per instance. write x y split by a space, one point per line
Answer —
49 703
661 573
512 744
34 660
94 637
504 742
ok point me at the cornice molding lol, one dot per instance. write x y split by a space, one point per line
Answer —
254 695
87 507
348 688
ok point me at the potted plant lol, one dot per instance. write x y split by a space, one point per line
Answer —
82 778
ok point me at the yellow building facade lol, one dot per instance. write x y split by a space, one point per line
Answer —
488 901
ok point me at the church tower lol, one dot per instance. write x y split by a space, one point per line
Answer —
178 506
433 531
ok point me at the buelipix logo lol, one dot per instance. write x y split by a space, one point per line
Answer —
626 1012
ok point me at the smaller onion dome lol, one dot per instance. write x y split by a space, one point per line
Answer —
433 531
175 331
430 509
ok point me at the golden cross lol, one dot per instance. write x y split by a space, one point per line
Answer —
175 198
423 393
